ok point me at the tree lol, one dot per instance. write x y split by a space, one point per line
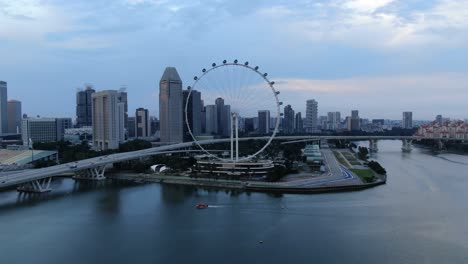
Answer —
363 152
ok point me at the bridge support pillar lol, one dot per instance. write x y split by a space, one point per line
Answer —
36 186
406 145
373 145
93 174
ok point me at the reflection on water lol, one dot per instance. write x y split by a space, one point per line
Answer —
419 216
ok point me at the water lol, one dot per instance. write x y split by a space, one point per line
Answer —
419 216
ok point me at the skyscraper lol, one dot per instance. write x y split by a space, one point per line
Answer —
3 108
108 119
298 123
170 106
334 119
355 121
311 116
211 119
142 123
83 107
439 120
407 121
123 98
263 121
194 111
131 126
288 122
14 116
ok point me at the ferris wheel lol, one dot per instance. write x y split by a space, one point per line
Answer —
245 94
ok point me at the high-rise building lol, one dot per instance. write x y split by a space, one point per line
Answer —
249 125
108 119
123 97
355 121
170 107
154 123
333 120
44 129
142 123
131 124
288 123
3 107
298 123
211 117
263 121
194 111
83 107
323 122
439 120
407 121
311 116
226 120
14 116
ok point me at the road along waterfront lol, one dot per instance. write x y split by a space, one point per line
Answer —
419 216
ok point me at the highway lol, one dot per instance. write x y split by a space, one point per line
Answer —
16 178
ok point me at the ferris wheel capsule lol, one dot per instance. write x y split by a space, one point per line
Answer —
235 61
271 83
224 61
256 68
265 74
213 65
246 63
188 87
195 78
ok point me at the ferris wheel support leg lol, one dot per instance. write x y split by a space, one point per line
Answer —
236 124
232 140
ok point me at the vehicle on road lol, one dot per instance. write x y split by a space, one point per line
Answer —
73 166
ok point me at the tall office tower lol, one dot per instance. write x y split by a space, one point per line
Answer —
83 107
226 120
311 116
288 122
142 123
108 119
263 121
439 120
355 121
333 120
123 97
194 111
249 125
131 124
298 124
203 119
3 108
170 107
407 121
14 116
44 129
154 123
211 117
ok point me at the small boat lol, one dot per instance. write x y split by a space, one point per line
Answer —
201 205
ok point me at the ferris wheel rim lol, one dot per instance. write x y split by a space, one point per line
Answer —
270 84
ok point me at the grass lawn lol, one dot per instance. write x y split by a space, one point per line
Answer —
365 175
340 159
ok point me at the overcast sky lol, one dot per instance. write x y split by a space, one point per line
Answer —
379 56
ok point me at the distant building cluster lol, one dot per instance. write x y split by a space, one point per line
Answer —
102 119
456 129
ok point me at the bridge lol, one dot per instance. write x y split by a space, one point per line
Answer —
38 180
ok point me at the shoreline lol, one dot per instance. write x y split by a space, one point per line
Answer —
266 187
